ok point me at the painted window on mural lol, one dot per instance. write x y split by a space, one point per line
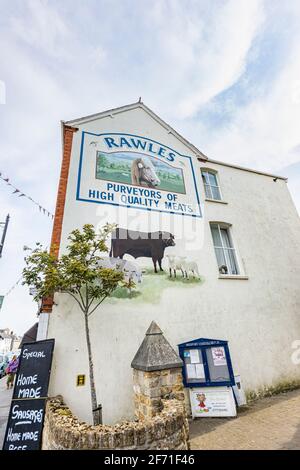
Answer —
138 169
211 186
224 249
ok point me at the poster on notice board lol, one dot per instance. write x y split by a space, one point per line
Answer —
218 355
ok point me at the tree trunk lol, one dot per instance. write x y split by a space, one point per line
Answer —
96 418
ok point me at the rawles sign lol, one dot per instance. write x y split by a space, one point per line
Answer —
127 170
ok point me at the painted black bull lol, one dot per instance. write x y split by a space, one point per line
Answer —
141 244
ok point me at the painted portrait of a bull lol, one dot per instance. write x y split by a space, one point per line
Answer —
143 173
141 244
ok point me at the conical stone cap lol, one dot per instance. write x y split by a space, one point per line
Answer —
155 352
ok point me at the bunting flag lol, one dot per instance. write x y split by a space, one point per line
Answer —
12 288
19 193
16 283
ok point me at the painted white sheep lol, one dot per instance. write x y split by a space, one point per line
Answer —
130 269
175 264
189 267
132 272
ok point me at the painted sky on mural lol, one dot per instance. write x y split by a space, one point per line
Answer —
225 74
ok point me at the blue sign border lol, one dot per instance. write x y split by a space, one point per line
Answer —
78 198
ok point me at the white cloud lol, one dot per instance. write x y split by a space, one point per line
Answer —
264 133
41 27
200 49
219 60
2 92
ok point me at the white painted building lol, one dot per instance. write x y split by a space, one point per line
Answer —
244 238
8 341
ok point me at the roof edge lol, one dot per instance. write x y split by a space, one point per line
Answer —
139 104
92 117
244 168
128 107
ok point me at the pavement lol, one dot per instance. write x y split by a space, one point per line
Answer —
268 424
5 400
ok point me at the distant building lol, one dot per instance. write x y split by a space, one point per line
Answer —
8 341
228 250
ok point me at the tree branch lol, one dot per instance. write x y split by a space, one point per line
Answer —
89 305
74 297
86 296
81 298
103 298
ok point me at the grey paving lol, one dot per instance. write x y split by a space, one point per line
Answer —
5 400
269 424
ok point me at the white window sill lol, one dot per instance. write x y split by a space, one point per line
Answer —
216 200
239 277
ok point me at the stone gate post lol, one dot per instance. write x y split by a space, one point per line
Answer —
156 374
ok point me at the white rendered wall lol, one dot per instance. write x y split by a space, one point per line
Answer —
259 316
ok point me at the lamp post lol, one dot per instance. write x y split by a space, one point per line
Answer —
5 225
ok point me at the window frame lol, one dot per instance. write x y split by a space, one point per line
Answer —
225 249
205 185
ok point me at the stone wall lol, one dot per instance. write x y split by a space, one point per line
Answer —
150 388
167 430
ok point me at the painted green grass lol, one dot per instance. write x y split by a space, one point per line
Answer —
122 176
152 286
173 185
114 175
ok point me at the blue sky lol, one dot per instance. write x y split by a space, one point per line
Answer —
224 73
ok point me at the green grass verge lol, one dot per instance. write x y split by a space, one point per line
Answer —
152 286
280 387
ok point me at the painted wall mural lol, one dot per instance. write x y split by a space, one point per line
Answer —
138 169
142 174
134 172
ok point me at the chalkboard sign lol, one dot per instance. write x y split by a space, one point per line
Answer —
26 416
34 370
25 425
